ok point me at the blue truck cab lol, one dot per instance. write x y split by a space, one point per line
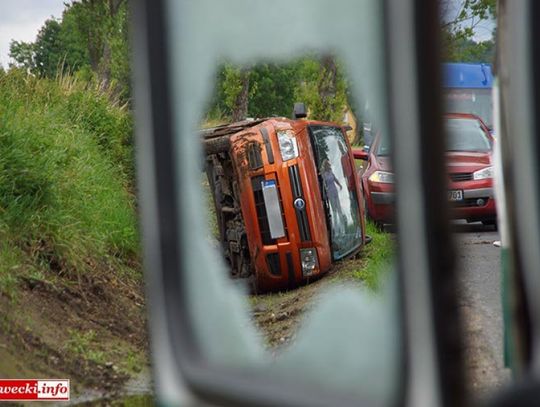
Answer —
468 89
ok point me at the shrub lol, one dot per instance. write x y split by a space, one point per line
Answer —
65 174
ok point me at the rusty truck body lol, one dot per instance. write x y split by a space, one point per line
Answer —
287 198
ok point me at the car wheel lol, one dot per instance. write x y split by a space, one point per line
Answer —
490 222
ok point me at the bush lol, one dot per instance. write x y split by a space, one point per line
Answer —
65 174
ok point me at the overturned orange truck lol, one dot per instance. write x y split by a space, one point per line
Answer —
287 198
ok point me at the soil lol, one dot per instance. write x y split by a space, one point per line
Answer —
91 330
279 315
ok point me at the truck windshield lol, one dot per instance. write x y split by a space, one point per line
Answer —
470 100
338 189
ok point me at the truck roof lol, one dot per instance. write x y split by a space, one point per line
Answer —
236 127
465 75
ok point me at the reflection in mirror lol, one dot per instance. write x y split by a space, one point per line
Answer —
281 278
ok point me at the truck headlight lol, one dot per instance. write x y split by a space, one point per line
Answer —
287 145
308 258
383 177
484 173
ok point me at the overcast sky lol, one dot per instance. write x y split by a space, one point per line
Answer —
20 20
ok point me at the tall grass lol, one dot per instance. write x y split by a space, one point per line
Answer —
65 176
379 255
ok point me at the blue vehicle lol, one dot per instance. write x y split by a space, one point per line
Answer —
468 90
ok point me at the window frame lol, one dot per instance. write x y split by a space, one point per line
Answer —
430 328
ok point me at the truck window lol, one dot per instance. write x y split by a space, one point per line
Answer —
338 184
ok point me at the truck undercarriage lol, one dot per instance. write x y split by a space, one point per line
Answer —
224 187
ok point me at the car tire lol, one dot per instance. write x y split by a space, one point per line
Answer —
368 218
490 222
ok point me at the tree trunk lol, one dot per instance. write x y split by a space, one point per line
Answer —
105 66
327 86
241 104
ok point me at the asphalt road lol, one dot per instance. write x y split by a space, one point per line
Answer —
481 308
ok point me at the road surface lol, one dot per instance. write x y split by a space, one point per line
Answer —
479 262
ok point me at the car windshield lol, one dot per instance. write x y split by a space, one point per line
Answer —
338 185
466 135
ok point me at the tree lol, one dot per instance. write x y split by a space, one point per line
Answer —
265 90
465 50
23 55
463 16
272 90
322 87
459 19
48 49
240 105
91 38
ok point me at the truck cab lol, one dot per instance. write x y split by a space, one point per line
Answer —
286 197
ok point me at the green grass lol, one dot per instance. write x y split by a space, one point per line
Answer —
378 256
83 344
66 174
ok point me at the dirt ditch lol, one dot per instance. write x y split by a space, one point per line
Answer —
279 315
92 332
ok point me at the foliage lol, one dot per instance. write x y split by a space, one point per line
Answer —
91 38
83 345
23 54
465 50
379 255
273 89
459 21
48 50
65 200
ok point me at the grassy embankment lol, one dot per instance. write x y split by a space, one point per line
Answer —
70 279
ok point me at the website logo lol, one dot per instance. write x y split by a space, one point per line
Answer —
34 389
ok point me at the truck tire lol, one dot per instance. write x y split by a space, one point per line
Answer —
217 145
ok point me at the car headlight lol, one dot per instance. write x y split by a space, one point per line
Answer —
287 145
484 173
308 258
383 177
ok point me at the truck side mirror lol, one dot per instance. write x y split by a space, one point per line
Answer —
299 110
360 154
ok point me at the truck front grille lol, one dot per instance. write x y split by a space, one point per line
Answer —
298 197
272 259
254 156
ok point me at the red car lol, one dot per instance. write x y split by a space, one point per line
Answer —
470 172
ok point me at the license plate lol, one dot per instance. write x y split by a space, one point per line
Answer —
273 208
455 195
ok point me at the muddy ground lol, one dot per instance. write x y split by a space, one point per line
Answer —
278 315
94 332
91 330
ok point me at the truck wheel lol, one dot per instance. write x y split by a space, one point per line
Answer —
217 145
253 287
